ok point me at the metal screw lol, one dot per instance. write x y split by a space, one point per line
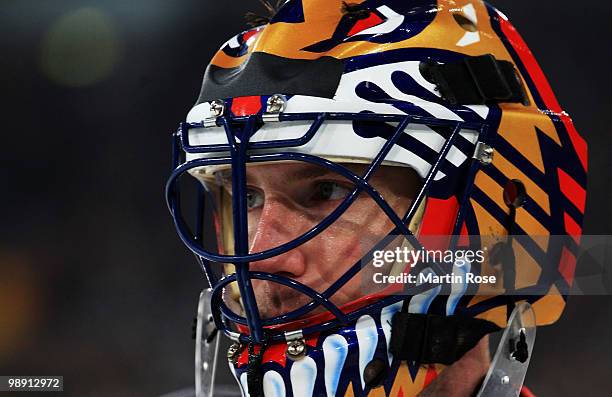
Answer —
217 108
276 104
484 153
505 380
233 350
296 349
487 155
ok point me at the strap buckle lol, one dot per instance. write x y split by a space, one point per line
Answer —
477 80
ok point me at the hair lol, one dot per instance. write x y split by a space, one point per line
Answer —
254 19
355 10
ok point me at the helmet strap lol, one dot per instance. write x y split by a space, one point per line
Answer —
254 372
435 339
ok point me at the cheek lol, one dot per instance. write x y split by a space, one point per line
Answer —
350 237
346 241
331 253
345 249
371 223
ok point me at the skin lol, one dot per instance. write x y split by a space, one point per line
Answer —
464 376
286 201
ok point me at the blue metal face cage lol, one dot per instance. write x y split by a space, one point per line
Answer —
238 152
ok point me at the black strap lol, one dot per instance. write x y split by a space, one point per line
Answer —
476 81
267 74
435 339
254 373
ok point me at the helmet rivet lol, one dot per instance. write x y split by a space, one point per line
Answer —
484 153
276 104
233 350
374 373
296 349
515 193
505 380
217 108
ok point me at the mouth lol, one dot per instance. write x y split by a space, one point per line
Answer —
274 299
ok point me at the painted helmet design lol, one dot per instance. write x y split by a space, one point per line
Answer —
444 90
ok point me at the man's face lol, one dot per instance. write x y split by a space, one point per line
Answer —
287 199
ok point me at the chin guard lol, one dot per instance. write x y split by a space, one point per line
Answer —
509 367
206 347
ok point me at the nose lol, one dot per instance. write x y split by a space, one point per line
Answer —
279 223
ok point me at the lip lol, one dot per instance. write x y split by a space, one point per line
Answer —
290 298
311 319
313 283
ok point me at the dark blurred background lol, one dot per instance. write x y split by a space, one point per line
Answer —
94 283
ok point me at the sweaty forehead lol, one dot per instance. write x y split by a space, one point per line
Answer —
386 177
292 171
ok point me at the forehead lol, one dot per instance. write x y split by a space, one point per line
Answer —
296 172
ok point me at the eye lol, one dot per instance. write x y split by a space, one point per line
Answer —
331 191
255 198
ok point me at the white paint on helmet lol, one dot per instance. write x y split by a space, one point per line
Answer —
335 350
469 37
386 315
460 268
367 339
244 385
394 20
420 303
303 376
273 384
233 371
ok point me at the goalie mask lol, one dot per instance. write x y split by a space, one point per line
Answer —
340 135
